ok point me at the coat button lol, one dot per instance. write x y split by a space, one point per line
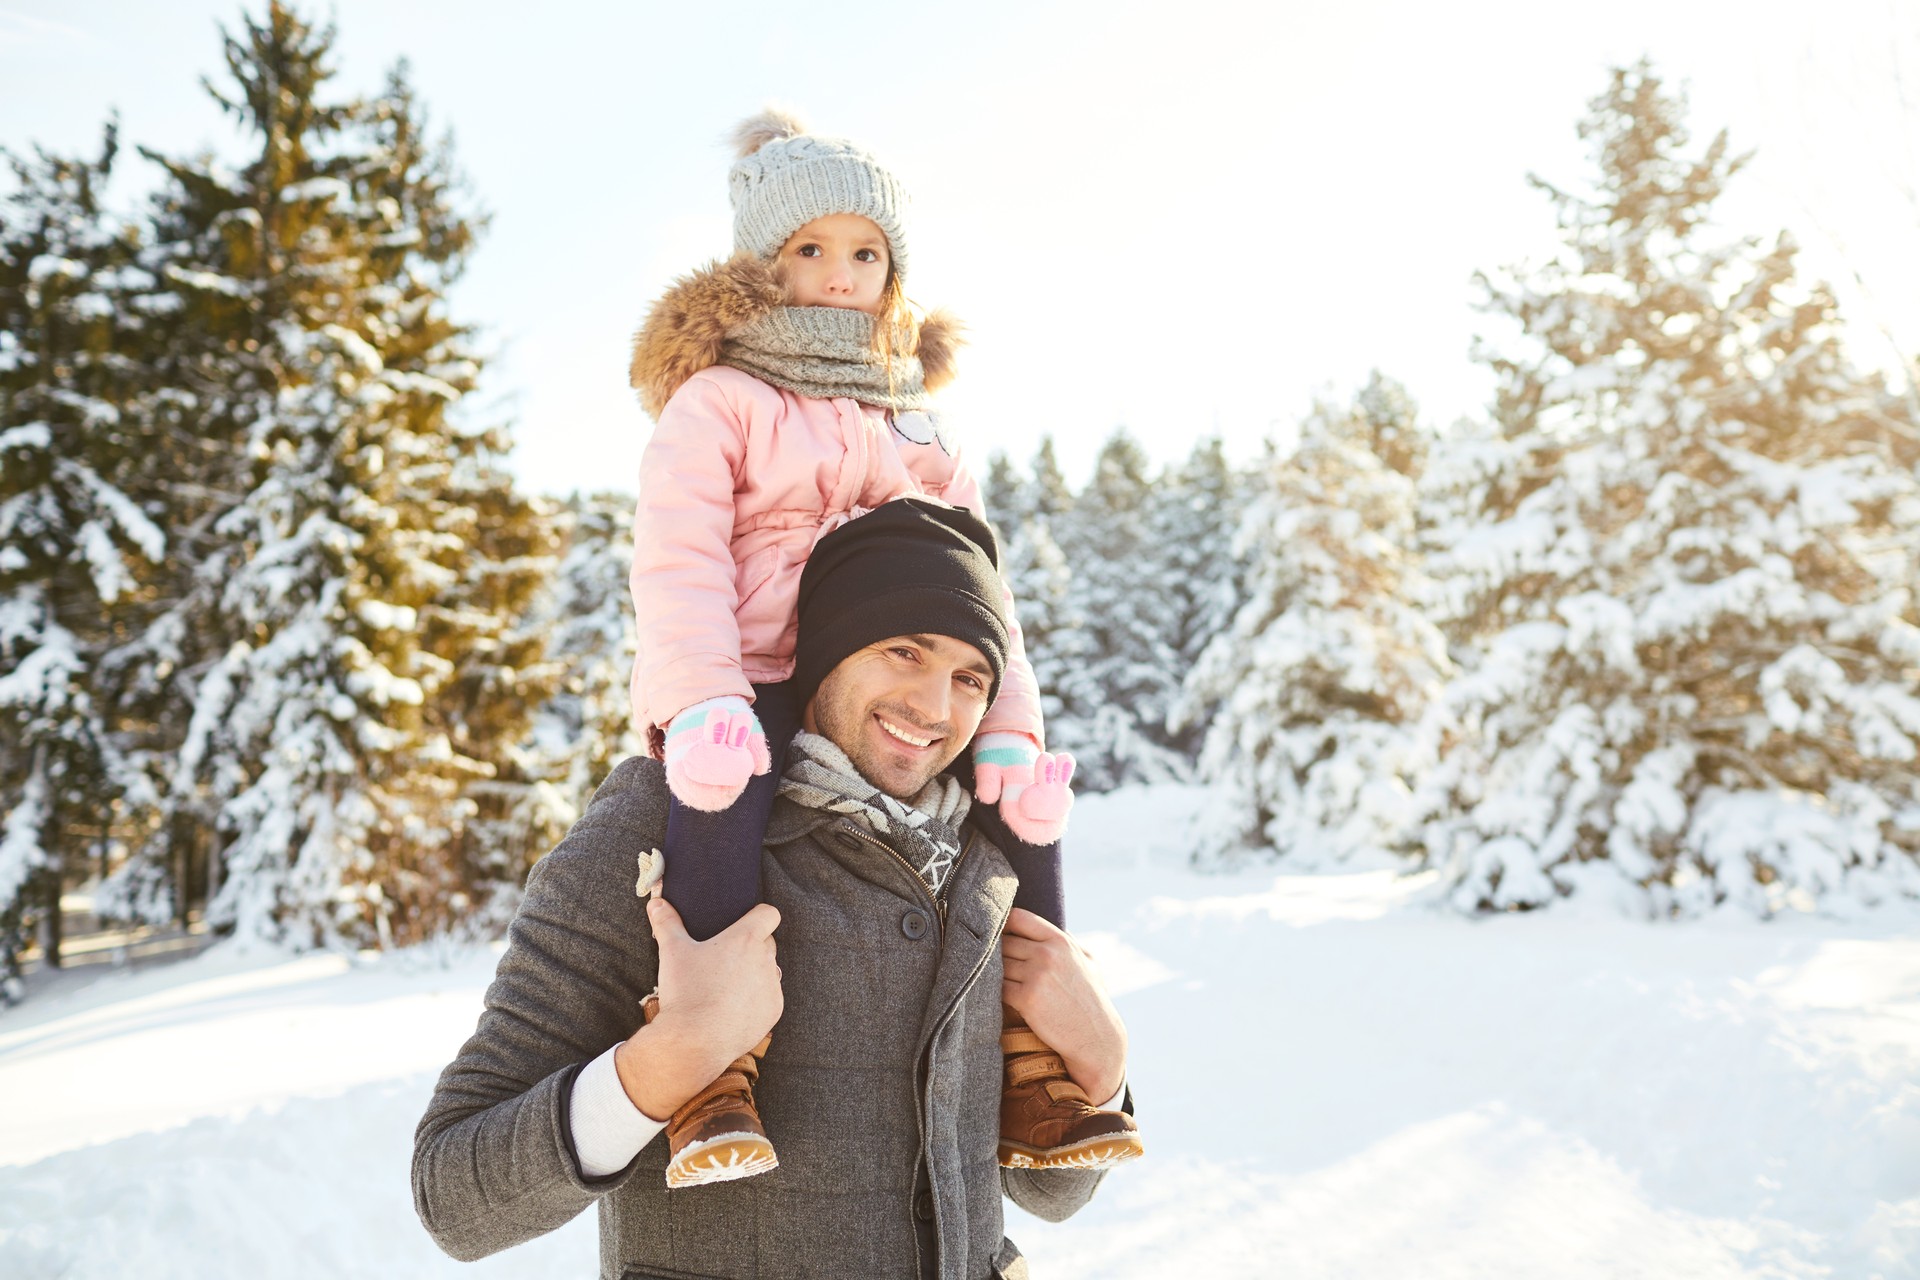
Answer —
914 923
923 1206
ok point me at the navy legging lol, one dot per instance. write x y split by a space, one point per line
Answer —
713 859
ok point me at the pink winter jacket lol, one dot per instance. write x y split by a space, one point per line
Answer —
738 482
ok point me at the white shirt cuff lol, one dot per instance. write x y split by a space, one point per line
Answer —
608 1130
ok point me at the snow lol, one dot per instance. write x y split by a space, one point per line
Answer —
51 266
1574 1094
209 282
127 518
34 435
316 189
21 853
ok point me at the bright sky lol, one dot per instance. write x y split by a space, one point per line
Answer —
1181 217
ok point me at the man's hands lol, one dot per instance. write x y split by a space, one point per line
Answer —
718 999
1052 982
721 997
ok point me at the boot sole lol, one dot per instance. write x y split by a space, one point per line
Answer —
1092 1153
722 1159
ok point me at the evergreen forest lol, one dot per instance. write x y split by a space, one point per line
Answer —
285 650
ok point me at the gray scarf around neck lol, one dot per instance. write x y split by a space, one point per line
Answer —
926 828
824 352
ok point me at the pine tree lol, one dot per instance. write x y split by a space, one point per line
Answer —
1330 661
586 726
1121 680
357 680
1679 569
73 544
1024 510
210 374
1048 493
495 548
1005 493
1195 512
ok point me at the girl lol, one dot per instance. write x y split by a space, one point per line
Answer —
790 387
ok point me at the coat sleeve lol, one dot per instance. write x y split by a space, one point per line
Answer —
493 1158
685 593
1017 709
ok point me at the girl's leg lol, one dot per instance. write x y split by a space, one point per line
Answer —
1042 889
1045 1120
713 859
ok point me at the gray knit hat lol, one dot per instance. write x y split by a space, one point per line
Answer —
786 177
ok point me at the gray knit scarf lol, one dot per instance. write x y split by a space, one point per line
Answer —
825 352
926 828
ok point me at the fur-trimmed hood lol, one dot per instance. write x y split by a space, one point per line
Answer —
688 326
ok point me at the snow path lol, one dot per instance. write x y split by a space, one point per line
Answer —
1334 1081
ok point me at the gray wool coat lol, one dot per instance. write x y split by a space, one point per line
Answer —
881 1090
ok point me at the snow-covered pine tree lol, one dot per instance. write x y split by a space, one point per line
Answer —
1194 514
496 547
73 544
362 684
1681 570
1330 661
500 673
1048 493
1118 677
208 323
1004 490
1023 510
586 726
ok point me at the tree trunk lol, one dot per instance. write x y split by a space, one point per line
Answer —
182 871
53 921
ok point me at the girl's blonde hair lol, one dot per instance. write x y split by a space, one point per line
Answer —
895 331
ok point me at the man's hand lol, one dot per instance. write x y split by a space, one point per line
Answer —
718 999
1052 982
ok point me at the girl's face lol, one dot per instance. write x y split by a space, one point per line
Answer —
837 261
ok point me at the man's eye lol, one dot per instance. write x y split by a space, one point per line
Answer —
902 651
972 682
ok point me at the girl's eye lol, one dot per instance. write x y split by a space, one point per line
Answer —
867 255
808 251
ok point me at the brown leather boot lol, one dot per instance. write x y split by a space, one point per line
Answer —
1046 1120
716 1136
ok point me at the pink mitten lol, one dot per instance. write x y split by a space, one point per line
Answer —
1029 785
713 747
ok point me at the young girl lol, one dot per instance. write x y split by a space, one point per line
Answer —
790 386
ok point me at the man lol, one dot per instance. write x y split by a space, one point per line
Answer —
897 943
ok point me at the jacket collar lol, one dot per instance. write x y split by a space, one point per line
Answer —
686 328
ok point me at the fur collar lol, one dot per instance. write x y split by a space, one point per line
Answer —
687 327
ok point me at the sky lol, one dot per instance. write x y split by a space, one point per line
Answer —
1183 219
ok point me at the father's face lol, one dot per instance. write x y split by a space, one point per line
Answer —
904 708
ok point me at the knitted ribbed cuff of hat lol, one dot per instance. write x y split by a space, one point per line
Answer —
786 177
914 566
903 611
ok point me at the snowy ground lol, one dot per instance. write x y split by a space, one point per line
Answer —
1334 1080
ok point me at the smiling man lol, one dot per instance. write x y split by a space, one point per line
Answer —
897 942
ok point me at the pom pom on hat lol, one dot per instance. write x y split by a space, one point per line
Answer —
756 131
785 177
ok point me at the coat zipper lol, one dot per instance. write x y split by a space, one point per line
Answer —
939 901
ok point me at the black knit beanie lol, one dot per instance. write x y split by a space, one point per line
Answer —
914 566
